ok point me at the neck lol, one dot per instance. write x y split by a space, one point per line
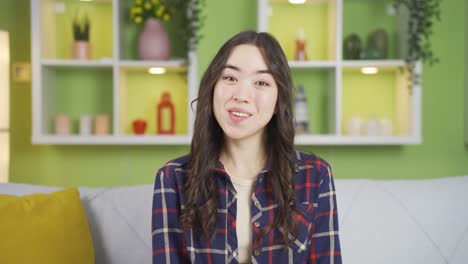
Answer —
243 158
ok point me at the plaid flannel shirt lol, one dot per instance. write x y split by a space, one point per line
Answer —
318 240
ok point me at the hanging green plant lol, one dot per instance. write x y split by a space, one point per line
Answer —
422 15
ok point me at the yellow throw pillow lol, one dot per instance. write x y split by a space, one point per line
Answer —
44 228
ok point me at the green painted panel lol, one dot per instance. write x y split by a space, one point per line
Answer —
316 88
442 153
364 16
83 92
144 94
287 20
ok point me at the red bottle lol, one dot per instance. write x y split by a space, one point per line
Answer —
166 107
300 54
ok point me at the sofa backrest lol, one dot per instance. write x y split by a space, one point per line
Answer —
381 221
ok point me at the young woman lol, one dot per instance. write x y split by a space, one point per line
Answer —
243 195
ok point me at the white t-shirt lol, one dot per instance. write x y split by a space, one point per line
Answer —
244 190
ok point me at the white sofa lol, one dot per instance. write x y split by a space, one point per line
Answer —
381 221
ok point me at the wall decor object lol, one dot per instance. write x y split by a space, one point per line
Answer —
101 124
62 124
153 41
372 126
139 126
300 54
21 72
81 47
86 125
352 47
377 44
166 115
354 125
300 112
158 11
386 127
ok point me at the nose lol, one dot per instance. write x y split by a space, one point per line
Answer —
242 93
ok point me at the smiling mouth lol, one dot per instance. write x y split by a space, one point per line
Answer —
239 114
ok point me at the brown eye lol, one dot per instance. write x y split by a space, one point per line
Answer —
229 78
262 83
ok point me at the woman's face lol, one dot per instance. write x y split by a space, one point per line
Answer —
245 95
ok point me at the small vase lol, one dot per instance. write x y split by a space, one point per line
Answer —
153 43
81 50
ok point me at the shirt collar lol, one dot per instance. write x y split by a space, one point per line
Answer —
220 167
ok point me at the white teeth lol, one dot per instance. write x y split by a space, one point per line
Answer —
240 114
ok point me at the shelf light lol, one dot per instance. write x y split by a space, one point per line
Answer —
297 2
157 70
369 70
86 0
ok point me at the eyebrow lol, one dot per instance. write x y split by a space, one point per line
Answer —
229 66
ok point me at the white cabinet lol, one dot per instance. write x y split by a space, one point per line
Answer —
336 89
113 82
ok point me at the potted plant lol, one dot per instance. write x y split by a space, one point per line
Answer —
81 48
153 42
421 16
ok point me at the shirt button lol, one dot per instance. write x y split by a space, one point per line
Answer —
234 254
257 252
256 224
257 204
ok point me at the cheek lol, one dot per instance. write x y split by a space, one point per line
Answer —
219 98
269 103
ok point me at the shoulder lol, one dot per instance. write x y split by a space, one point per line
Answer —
306 160
312 174
173 171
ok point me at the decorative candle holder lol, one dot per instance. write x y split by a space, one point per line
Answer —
85 125
139 126
101 124
62 124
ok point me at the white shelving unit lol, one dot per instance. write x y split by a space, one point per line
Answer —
114 67
49 64
340 73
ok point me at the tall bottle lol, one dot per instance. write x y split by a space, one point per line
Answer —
300 54
300 112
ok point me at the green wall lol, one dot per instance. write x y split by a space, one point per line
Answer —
443 152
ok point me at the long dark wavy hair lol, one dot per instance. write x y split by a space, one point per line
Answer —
201 196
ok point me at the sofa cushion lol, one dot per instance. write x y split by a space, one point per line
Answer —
51 228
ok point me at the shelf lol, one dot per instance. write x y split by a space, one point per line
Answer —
318 87
312 64
140 93
373 63
113 140
174 63
356 140
77 63
56 27
185 140
285 20
75 92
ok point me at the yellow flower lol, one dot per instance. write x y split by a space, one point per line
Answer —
155 1
148 6
166 17
135 11
138 2
138 20
160 11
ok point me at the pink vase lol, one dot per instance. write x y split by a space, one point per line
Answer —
153 43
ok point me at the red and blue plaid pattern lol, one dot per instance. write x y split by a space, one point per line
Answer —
318 240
